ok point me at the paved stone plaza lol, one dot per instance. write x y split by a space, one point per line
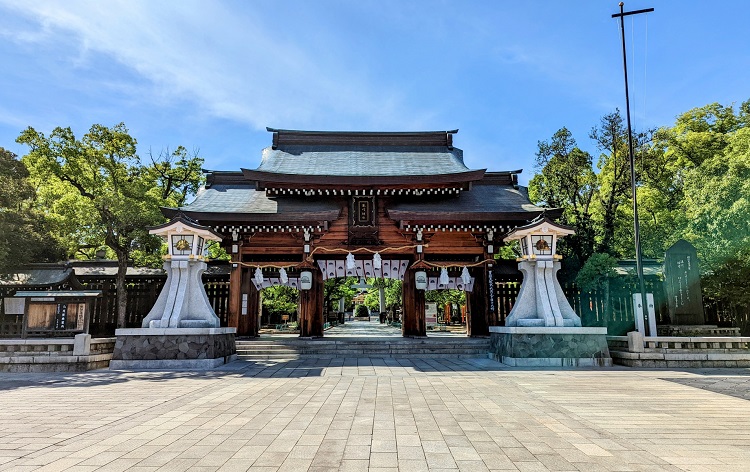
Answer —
377 414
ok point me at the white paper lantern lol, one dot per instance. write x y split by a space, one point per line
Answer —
283 276
350 263
377 262
420 280
305 280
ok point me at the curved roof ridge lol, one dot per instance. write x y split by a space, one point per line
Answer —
284 137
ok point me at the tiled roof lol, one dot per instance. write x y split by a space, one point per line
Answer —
238 198
321 160
484 202
52 275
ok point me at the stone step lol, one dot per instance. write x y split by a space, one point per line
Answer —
286 352
364 346
323 344
363 356
284 349
273 347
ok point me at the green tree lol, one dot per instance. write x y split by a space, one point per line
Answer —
392 290
566 180
280 300
446 297
717 204
337 288
25 234
361 311
614 187
102 193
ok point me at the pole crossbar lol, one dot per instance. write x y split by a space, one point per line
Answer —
634 12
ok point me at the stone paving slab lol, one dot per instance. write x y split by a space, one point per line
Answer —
377 414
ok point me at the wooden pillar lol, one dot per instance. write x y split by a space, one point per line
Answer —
311 307
250 298
414 323
476 321
235 293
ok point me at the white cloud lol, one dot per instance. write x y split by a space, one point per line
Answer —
229 63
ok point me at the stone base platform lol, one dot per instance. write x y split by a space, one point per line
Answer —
550 347
77 354
173 348
694 352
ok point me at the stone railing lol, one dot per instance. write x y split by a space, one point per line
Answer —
696 331
677 351
55 354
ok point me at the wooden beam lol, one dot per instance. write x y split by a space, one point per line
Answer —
248 325
311 308
414 323
235 294
476 319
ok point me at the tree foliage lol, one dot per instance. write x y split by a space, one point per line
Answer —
280 300
25 233
693 182
599 268
445 297
337 288
361 311
392 289
566 180
99 192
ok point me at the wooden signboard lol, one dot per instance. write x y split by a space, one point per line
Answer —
56 313
44 315
683 284
430 312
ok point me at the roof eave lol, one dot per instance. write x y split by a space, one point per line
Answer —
260 218
413 217
268 179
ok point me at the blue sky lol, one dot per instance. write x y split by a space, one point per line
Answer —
211 75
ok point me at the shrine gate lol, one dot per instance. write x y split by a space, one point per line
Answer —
397 202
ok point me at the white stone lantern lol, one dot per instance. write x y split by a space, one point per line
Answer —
182 302
540 301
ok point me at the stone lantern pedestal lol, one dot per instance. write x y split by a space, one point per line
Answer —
181 331
542 329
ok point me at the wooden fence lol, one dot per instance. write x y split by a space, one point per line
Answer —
142 294
613 309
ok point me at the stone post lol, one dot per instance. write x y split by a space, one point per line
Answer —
635 342
82 345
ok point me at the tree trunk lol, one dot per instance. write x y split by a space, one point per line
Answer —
122 294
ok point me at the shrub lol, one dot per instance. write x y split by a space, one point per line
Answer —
361 311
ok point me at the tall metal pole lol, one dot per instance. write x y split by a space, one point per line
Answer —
636 225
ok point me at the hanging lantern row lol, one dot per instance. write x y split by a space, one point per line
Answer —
421 280
305 278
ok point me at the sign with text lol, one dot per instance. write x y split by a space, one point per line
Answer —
430 313
682 280
639 315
